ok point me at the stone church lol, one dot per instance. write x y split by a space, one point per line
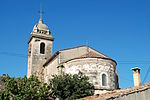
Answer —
100 69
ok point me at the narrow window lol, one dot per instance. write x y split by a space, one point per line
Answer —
42 48
104 80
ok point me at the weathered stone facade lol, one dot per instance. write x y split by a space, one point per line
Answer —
88 61
94 68
100 69
36 59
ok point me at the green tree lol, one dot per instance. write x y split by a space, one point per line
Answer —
68 87
63 86
1 95
24 89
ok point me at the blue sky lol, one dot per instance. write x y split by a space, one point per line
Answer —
119 29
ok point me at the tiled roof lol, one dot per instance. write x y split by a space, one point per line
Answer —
57 53
95 97
117 93
121 92
92 55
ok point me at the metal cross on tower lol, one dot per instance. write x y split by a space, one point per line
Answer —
41 12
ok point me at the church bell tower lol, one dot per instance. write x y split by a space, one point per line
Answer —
39 49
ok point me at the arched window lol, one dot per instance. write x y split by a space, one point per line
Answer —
42 48
104 80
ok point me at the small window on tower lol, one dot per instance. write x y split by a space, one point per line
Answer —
42 48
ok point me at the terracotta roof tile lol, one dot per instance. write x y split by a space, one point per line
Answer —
92 98
121 92
93 54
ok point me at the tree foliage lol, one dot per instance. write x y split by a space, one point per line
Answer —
24 89
64 87
69 87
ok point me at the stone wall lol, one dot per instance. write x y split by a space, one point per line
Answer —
94 68
35 59
50 70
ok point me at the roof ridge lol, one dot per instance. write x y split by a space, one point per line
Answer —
121 92
73 47
118 93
